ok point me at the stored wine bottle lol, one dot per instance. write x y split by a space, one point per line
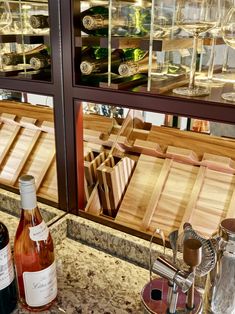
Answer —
129 68
39 21
101 65
94 53
40 61
8 295
13 58
34 253
94 21
90 65
126 21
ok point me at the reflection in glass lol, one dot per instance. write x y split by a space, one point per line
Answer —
228 30
5 16
224 6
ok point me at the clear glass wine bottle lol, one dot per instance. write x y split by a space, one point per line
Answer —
34 253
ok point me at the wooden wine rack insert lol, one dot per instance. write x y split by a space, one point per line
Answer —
28 147
26 39
179 177
133 42
164 44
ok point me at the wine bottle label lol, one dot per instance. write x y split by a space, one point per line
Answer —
6 267
40 286
39 232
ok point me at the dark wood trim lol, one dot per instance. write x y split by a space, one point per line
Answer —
195 108
68 75
79 153
59 111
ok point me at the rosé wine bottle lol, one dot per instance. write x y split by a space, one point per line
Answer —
34 253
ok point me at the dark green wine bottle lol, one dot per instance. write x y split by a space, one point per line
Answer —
94 21
126 21
8 295
131 67
14 58
40 61
39 21
91 66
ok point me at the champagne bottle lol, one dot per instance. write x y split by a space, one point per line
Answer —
39 21
94 21
13 58
8 295
40 61
90 66
127 21
94 53
129 68
34 253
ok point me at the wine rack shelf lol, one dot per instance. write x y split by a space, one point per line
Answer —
125 82
5 39
26 39
171 183
28 146
133 42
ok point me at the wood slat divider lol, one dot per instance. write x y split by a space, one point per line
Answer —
113 176
44 169
27 131
26 155
93 205
194 197
159 185
11 141
38 112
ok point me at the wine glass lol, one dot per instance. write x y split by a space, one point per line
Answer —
5 16
228 32
224 6
164 19
196 17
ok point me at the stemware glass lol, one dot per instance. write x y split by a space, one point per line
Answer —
228 32
5 16
163 16
224 6
196 17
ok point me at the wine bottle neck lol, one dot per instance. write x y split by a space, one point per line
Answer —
129 68
39 62
28 192
28 200
97 21
87 67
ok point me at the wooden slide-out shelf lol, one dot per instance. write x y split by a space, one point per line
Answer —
179 177
27 146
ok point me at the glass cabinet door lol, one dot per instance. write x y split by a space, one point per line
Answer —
25 40
150 47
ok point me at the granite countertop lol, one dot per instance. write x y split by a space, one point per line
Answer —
100 270
91 279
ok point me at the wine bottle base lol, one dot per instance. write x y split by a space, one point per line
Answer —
36 309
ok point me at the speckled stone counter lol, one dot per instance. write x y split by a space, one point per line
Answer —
98 267
91 281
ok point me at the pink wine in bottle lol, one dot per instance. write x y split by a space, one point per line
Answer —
34 253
